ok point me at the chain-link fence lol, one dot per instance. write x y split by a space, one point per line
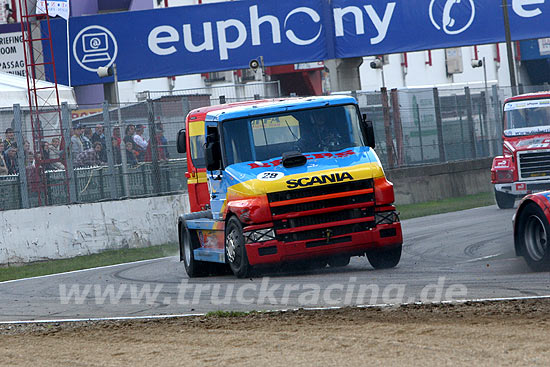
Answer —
129 150
434 125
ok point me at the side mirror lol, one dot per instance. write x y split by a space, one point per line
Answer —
212 154
181 143
368 132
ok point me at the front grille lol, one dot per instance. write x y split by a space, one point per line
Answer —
533 165
310 220
296 216
320 190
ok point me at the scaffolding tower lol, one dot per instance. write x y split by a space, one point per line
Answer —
44 106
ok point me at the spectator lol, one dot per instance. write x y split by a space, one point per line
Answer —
3 166
76 143
10 139
116 150
131 159
26 147
11 160
129 134
163 142
99 136
87 138
29 159
55 153
160 148
116 134
45 155
140 142
90 157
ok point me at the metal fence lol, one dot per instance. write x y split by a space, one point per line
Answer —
412 127
435 125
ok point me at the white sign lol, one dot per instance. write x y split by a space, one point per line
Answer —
55 8
270 176
521 105
544 46
12 58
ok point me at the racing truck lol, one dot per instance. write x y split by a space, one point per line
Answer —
531 230
524 166
292 180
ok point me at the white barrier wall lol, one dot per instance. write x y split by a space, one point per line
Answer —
59 232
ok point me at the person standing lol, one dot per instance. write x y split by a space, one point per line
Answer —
86 138
3 167
10 139
140 142
11 160
76 144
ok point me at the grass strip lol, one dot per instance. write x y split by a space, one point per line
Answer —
109 257
409 211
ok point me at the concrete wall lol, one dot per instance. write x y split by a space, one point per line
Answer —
66 231
440 181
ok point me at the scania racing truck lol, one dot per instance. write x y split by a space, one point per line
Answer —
524 166
284 181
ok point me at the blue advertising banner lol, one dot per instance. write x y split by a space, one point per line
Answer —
227 35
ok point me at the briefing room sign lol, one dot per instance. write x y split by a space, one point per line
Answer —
227 35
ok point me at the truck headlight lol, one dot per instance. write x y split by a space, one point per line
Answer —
386 217
260 235
504 176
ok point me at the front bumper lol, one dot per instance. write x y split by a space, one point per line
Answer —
274 251
520 188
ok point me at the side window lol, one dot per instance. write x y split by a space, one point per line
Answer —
196 143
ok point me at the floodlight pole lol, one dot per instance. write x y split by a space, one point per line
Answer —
508 36
123 158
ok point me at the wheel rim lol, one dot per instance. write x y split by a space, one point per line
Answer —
231 246
536 240
187 248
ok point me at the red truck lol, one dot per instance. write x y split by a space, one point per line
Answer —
524 166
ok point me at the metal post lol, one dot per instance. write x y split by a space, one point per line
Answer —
155 174
471 128
397 127
387 127
123 160
498 120
439 125
66 120
109 149
417 118
509 51
18 130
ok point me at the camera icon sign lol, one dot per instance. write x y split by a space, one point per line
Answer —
94 47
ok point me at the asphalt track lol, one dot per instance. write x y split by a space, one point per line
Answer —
455 256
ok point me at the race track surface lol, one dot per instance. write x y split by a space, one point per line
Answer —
454 256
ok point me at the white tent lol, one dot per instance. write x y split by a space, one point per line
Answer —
13 90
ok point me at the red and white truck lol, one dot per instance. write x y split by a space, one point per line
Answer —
524 166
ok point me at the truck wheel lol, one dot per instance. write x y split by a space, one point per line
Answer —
504 200
385 259
338 261
533 232
235 250
188 243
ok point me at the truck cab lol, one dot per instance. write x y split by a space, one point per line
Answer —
285 180
524 166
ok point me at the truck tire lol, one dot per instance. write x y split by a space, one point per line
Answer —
385 259
533 232
338 261
235 251
189 242
504 200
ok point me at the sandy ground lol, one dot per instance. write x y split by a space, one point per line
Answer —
505 333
